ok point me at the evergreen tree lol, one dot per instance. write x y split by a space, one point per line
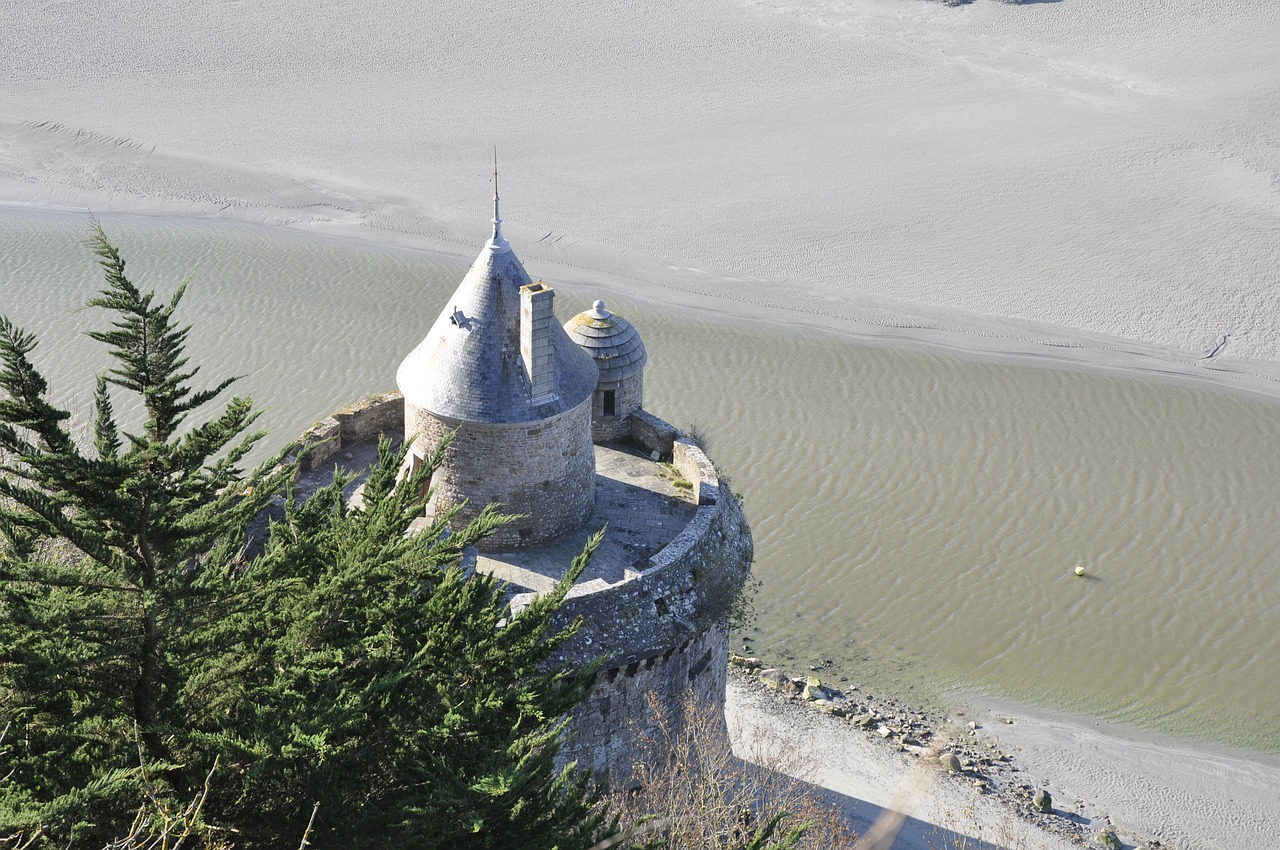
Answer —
404 697
349 664
102 573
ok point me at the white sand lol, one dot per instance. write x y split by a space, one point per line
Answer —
1102 165
1091 180
1191 797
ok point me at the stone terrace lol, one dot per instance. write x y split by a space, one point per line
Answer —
643 511
636 499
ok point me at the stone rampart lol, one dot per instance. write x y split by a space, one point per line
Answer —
602 732
662 629
683 589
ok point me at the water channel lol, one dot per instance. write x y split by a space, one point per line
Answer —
917 515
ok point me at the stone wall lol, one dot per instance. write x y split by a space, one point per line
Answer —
683 589
653 433
352 424
662 630
544 470
693 463
601 735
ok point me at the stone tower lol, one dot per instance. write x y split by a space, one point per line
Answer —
619 353
497 368
519 392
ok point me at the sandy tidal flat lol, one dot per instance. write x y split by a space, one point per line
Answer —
1103 166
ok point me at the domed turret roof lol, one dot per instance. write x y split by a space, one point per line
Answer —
611 340
469 365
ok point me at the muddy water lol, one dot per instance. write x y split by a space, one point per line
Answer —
917 516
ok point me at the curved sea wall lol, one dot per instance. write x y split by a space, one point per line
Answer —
662 630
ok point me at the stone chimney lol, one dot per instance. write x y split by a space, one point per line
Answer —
537 347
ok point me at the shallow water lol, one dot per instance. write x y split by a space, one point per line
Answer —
917 516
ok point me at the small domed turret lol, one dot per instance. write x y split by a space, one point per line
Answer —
619 354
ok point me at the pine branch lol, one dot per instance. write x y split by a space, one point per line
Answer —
26 407
106 436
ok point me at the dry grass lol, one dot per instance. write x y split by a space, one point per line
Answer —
690 790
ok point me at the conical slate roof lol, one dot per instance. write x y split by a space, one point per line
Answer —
611 340
469 366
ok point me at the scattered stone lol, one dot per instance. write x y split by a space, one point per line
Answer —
826 706
817 692
777 680
978 760
745 662
1108 839
348 456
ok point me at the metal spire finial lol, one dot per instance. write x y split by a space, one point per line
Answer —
497 242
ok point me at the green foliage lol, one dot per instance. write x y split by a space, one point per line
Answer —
104 593
347 664
400 693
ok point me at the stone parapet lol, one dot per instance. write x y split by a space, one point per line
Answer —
653 433
693 463
352 424
683 588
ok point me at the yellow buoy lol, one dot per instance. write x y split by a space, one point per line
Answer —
1079 569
